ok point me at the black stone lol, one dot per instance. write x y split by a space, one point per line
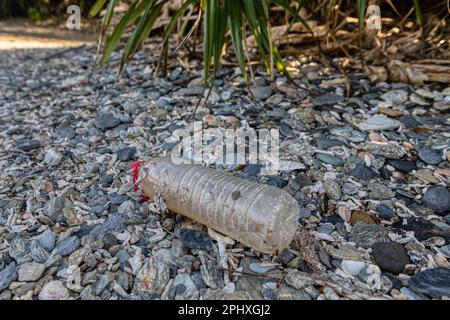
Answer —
328 143
117 199
65 132
7 275
126 153
252 169
106 180
408 121
67 246
195 239
115 222
438 199
430 155
385 212
403 165
28 145
423 229
106 120
432 282
390 256
363 172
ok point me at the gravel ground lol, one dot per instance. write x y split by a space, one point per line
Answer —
370 172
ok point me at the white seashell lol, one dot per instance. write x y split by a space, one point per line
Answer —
262 267
352 267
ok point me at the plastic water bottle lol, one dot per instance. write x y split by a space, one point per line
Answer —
260 216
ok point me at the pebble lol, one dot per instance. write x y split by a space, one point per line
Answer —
67 246
7 275
54 290
329 159
390 256
262 92
299 279
430 155
403 165
365 235
363 172
432 282
438 199
385 211
53 208
152 277
28 145
332 189
106 120
352 267
379 191
195 239
395 96
30 271
52 157
19 250
378 122
125 154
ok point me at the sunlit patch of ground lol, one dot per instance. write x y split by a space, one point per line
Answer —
25 34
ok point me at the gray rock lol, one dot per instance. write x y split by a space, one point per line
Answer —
7 275
365 235
65 132
327 99
106 120
378 122
332 189
30 271
47 240
37 252
395 96
115 222
385 211
363 172
53 208
195 239
349 134
408 121
379 191
67 246
329 159
212 276
126 153
403 165
390 256
19 250
432 282
388 150
189 290
328 143
430 155
28 145
54 290
261 92
298 279
305 212
102 283
152 277
52 157
438 199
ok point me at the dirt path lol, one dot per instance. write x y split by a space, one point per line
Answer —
26 34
